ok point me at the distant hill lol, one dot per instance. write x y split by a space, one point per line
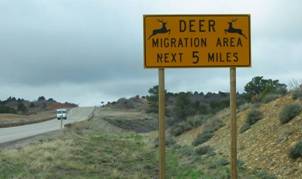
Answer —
21 106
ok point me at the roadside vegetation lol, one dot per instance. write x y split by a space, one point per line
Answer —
289 112
209 128
296 151
252 117
91 150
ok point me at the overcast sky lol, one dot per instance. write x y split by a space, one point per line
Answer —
88 51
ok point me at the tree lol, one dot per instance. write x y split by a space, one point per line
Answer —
10 99
21 107
51 100
32 104
6 109
41 98
183 106
258 87
152 99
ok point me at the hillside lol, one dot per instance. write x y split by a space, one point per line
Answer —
265 145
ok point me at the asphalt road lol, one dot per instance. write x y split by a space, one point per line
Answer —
19 132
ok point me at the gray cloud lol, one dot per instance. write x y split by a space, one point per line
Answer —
88 51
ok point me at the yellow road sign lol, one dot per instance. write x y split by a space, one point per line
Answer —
172 41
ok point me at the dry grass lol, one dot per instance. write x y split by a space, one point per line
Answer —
91 149
15 119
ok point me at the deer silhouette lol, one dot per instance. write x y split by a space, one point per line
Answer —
231 29
163 29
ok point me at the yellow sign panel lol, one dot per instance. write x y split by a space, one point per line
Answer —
197 41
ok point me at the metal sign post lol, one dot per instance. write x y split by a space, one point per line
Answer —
61 123
161 121
233 107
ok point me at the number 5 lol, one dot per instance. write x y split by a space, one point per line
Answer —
195 57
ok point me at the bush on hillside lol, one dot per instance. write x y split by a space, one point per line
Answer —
180 128
252 117
244 127
213 124
210 127
297 94
189 124
203 137
270 97
203 150
170 141
289 112
264 175
296 151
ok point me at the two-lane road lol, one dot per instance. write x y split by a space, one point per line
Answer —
19 132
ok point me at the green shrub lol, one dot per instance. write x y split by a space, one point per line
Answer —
186 150
244 127
222 162
203 137
213 124
210 127
204 150
177 130
297 94
6 109
289 112
190 123
264 175
296 151
252 117
269 97
180 128
170 141
197 120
